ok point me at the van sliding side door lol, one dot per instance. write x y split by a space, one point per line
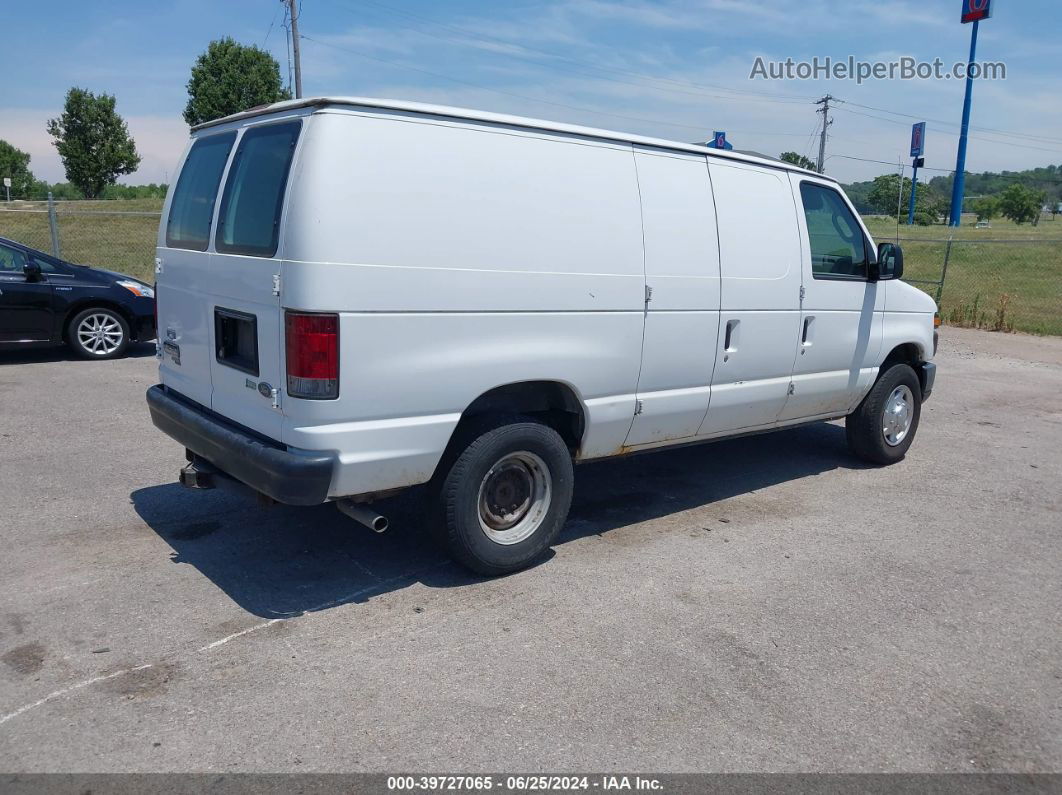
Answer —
759 251
682 309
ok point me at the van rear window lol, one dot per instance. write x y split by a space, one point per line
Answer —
192 206
249 221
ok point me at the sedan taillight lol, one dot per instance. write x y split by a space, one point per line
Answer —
312 347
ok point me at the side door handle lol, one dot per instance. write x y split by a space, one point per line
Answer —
805 336
730 337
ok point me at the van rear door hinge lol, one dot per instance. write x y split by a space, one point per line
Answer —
637 407
648 293
276 284
802 293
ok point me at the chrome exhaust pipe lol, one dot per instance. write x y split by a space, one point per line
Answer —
363 515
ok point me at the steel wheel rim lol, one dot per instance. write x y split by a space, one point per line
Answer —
514 497
100 333
898 415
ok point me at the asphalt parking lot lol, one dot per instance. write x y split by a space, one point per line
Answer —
760 604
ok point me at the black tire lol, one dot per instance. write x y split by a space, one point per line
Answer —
107 346
500 449
865 427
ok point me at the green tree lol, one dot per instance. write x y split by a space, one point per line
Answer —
986 208
1020 204
93 142
883 198
229 78
798 160
14 163
883 194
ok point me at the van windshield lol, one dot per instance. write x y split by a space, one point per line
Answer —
249 221
192 206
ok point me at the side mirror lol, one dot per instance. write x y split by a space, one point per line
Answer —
32 271
889 264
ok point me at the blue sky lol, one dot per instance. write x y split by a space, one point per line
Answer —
672 68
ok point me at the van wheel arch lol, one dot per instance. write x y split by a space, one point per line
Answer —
553 403
905 353
909 353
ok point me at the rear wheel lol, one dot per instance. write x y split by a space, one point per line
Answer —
98 333
883 427
505 496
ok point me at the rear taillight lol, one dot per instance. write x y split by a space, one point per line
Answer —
312 347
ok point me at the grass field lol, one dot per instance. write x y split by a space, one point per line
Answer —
1007 277
1014 268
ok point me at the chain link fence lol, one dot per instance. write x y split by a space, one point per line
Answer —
88 232
1000 284
997 284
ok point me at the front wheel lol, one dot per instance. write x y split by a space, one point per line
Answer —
882 428
98 333
505 496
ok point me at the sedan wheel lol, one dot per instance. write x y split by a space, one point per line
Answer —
99 334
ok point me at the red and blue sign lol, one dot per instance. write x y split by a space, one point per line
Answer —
974 10
918 139
719 141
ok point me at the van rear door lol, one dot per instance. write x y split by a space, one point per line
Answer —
183 269
244 287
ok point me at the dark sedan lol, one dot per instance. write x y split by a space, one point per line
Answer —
45 300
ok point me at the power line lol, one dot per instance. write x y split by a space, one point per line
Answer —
949 132
887 162
287 41
1040 138
270 28
970 174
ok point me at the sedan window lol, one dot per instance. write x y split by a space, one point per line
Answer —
11 260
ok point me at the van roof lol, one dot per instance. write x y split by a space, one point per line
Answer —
501 118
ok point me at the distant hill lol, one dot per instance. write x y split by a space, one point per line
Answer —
1047 179
988 183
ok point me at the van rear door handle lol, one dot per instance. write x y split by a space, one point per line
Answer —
806 334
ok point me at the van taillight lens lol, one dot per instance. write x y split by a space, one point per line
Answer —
312 346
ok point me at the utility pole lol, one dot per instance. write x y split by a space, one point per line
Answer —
293 7
826 122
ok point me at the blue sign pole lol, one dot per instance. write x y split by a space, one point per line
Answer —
960 160
914 188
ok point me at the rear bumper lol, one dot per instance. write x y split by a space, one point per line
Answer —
927 374
265 466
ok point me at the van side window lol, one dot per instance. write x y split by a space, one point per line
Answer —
249 221
838 249
192 206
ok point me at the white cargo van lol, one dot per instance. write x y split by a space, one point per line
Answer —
357 296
